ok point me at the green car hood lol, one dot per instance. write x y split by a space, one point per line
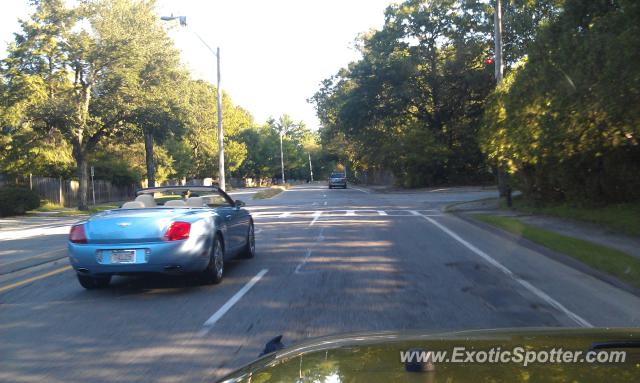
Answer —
375 357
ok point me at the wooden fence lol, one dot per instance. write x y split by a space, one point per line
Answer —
66 192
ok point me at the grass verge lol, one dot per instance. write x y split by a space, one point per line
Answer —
611 261
61 211
623 217
271 192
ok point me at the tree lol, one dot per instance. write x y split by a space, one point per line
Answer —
565 121
412 104
72 69
196 148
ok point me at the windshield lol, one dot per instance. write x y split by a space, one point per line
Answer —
188 185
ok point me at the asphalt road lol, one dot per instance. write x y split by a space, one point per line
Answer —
328 261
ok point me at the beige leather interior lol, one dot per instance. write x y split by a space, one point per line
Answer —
175 202
147 200
133 205
195 202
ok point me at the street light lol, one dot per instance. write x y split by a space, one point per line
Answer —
183 23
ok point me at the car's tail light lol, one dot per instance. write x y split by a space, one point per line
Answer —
77 234
177 231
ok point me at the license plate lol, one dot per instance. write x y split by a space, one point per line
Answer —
123 256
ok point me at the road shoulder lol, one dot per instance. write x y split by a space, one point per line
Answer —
467 215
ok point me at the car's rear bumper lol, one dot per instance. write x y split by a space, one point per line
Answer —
341 184
158 257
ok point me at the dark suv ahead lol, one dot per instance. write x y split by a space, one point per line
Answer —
338 179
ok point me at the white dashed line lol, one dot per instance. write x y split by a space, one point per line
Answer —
319 239
382 212
285 214
208 324
361 190
350 213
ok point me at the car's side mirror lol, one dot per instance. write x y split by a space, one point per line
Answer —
240 203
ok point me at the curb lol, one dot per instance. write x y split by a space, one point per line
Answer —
448 208
556 256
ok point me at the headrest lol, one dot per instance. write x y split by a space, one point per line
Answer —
195 202
133 205
147 200
175 202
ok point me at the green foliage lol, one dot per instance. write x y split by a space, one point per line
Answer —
16 200
413 103
100 83
566 120
115 170
623 217
89 72
263 150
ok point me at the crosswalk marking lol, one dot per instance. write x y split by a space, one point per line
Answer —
362 213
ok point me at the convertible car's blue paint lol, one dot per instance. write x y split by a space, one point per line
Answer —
142 230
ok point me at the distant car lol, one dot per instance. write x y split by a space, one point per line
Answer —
175 229
338 180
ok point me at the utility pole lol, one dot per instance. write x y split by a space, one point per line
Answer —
281 156
497 22
221 180
310 167
503 178
183 23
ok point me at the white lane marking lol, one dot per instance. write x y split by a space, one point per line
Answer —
316 215
382 212
285 214
350 213
319 239
360 190
208 324
304 260
325 203
324 196
414 212
536 291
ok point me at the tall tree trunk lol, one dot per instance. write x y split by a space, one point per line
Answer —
148 149
80 156
80 148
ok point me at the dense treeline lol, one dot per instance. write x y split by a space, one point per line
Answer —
566 121
100 83
414 103
422 101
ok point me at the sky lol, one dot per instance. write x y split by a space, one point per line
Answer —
273 53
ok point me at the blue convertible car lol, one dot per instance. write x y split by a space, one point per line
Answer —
174 229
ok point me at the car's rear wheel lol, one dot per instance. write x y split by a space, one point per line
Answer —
215 269
249 250
90 282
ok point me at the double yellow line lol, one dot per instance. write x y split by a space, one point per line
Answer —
32 279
